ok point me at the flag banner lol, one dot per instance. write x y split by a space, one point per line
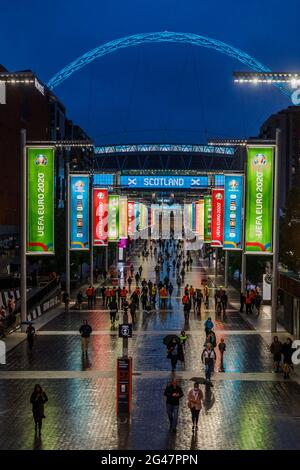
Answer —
165 223
123 217
207 218
193 222
155 211
137 220
113 218
79 212
259 200
131 222
217 228
201 219
100 217
40 200
144 222
233 207
187 221
178 226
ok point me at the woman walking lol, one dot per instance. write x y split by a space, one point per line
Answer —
195 398
38 399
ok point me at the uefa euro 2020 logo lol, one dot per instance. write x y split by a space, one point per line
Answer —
79 186
233 184
259 159
41 160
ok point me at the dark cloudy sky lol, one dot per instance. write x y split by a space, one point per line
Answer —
155 92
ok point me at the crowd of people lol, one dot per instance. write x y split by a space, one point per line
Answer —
251 299
282 356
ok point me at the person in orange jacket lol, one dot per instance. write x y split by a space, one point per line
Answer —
163 297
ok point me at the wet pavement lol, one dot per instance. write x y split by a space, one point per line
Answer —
248 407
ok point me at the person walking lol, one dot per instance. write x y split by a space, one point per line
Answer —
90 296
79 300
66 300
137 278
85 330
30 332
224 301
173 353
287 352
132 308
242 301
222 349
208 357
173 393
183 338
195 398
276 350
248 302
38 399
113 310
163 297
208 325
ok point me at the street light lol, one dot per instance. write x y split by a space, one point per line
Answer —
266 77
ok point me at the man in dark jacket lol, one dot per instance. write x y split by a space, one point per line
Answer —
85 330
173 393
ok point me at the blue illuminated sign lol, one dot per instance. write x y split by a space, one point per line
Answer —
233 212
164 181
79 217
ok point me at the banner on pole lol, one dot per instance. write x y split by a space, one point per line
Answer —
100 216
79 212
201 219
177 223
40 201
131 223
234 190
207 218
259 200
123 217
217 228
113 218
155 211
165 223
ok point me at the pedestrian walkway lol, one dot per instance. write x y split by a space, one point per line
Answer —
259 410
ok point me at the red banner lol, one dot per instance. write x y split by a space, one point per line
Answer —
100 216
131 222
217 229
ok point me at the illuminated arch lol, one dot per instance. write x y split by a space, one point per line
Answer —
166 36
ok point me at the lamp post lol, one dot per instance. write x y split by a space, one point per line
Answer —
23 231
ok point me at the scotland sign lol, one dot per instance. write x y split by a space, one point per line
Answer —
164 181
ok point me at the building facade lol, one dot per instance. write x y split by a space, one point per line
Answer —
26 103
288 121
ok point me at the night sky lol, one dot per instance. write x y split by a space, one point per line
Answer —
155 92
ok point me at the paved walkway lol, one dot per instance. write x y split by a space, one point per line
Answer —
248 407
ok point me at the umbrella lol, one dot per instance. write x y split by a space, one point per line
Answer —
200 380
168 339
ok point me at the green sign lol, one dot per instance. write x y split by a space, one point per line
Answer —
40 200
113 217
259 200
207 218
